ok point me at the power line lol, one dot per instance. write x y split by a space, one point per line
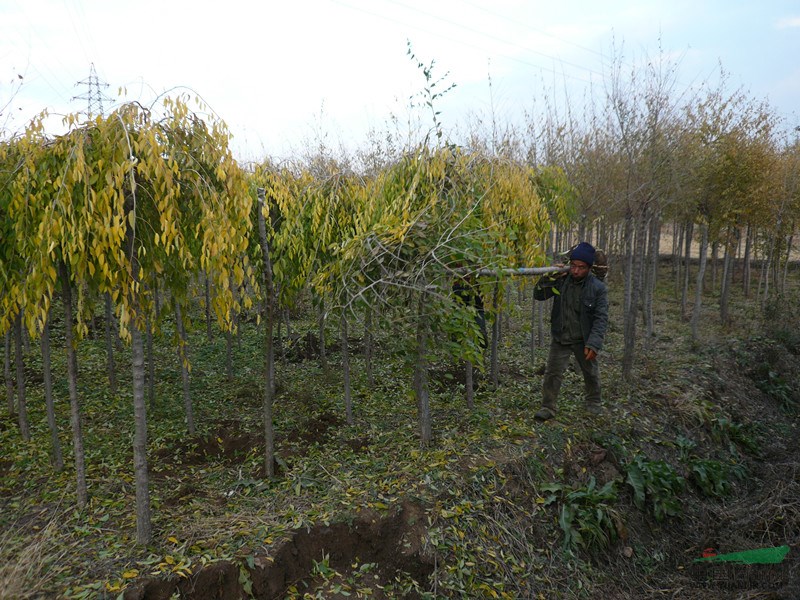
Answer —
84 36
497 39
440 35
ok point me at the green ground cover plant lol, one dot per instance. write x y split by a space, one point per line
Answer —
497 505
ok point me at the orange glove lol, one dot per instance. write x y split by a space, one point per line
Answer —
589 354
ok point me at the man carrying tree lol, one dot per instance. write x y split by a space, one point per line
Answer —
579 319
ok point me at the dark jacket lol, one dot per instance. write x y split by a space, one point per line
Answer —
594 308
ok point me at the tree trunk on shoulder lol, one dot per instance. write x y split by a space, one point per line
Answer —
72 379
57 458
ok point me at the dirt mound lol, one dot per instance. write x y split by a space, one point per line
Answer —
315 429
227 443
316 559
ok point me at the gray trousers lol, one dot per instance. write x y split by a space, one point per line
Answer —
557 363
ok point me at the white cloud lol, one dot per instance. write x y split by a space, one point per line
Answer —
788 22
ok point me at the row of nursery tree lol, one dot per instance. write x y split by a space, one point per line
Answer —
125 214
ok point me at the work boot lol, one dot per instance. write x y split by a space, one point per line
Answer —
594 409
544 413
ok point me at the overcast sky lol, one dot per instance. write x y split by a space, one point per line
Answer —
284 74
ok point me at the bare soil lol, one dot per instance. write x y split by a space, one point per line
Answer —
393 543
762 511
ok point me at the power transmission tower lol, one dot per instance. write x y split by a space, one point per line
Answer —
94 95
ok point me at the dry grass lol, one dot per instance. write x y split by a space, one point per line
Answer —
32 562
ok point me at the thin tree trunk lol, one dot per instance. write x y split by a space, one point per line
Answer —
494 365
269 373
747 268
279 335
469 385
677 233
628 245
637 286
287 318
139 320
283 317
141 475
157 302
634 282
789 244
19 361
602 237
348 396
151 365
72 379
727 275
26 340
540 321
651 275
767 266
323 358
209 331
421 376
57 457
111 365
229 355
687 261
12 408
237 322
533 331
714 261
368 347
229 338
698 292
737 256
271 348
183 360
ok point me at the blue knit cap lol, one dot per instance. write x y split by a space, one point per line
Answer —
583 251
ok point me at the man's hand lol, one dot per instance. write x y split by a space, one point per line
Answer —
589 354
553 275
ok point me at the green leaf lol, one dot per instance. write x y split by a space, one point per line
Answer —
636 480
